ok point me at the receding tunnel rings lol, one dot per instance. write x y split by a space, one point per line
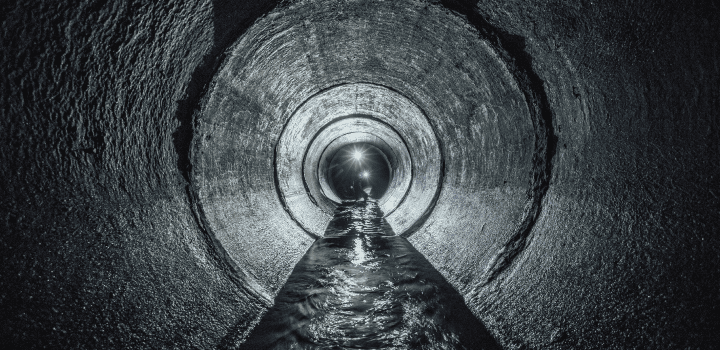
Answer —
383 137
362 115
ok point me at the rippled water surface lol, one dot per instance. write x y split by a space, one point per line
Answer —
362 287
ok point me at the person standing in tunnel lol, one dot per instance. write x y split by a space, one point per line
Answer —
359 184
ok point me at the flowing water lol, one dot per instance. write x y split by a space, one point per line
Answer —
362 287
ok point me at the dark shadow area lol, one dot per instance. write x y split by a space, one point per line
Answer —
230 20
358 170
362 287
519 62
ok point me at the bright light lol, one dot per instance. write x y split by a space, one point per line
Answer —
364 174
357 155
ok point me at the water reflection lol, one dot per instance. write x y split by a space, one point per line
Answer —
362 287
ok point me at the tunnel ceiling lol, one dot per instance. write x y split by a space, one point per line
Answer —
557 162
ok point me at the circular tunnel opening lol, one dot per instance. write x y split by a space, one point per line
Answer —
359 168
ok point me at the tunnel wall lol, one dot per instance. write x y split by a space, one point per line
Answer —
634 109
480 118
100 247
104 243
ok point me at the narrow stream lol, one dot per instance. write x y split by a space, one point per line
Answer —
362 287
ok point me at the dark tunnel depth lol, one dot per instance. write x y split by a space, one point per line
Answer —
164 166
359 164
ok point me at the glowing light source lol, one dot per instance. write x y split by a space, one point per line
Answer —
364 174
357 155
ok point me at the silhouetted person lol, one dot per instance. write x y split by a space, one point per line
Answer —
358 186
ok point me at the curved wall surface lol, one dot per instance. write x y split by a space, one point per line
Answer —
558 163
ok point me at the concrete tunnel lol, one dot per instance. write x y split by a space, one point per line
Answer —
163 163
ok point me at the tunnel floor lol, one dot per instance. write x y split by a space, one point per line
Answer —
362 287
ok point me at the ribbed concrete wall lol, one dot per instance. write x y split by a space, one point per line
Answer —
576 205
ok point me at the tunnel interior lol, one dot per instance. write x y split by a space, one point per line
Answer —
362 164
166 166
361 286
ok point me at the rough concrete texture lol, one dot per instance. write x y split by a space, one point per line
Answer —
578 206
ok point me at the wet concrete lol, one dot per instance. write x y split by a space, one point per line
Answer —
138 202
363 287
